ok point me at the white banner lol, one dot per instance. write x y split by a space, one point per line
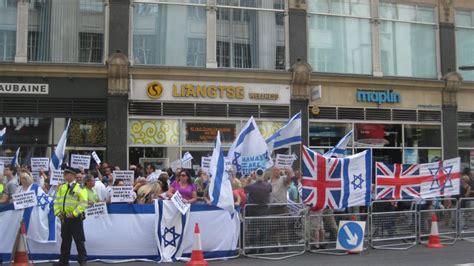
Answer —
126 175
99 210
284 161
80 161
96 157
443 178
24 200
177 200
57 177
205 164
39 164
122 194
6 160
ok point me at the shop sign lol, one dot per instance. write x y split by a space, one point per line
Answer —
205 91
207 132
378 96
24 88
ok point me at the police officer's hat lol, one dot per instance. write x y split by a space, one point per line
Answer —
68 169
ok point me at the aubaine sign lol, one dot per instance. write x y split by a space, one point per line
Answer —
24 88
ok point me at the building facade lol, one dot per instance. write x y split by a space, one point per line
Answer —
159 78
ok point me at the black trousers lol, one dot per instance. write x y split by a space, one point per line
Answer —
72 228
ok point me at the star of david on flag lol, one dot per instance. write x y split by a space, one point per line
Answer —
441 178
170 236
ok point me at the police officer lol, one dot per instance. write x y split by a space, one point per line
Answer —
69 206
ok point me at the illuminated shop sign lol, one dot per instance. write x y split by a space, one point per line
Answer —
378 96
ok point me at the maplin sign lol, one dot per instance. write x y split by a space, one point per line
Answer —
379 97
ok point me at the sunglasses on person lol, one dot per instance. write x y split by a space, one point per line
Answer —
183 175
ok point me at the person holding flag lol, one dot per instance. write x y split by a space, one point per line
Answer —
2 135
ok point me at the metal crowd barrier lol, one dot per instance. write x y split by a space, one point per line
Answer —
466 219
322 228
393 224
274 231
446 211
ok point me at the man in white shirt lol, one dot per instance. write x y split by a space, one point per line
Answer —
151 175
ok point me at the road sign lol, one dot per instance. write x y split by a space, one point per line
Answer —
350 236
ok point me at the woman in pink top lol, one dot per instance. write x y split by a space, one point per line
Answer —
185 187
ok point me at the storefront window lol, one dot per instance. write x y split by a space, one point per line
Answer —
407 40
467 159
327 134
465 42
465 136
422 136
173 35
378 135
26 130
412 156
340 36
268 128
87 133
206 133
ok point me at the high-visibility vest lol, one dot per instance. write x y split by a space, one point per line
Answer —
1 188
69 201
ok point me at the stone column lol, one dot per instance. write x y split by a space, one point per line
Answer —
447 36
119 25
376 58
450 119
300 101
211 39
297 28
117 110
21 55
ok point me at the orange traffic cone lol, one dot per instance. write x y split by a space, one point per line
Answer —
197 257
21 254
434 241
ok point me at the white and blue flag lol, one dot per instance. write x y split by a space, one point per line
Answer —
289 134
220 188
170 226
15 161
2 135
58 155
249 150
356 179
40 221
339 150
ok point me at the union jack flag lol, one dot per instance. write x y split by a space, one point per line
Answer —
398 181
321 180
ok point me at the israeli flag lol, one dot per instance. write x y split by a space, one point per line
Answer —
356 179
2 135
220 188
249 150
15 161
40 221
170 226
58 155
340 148
287 135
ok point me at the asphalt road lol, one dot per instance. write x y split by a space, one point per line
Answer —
462 253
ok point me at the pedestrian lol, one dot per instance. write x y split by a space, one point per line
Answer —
69 207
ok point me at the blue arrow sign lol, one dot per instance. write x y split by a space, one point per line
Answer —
350 235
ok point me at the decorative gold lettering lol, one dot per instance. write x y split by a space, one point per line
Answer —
201 91
231 92
239 92
190 90
212 91
175 92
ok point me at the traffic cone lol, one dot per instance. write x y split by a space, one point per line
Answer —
21 254
197 257
434 241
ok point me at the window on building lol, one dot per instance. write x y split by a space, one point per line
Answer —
166 34
196 52
90 48
8 10
253 35
66 31
280 57
340 36
465 42
407 40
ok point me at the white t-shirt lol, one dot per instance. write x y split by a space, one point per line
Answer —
100 189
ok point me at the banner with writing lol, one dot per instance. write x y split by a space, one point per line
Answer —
179 203
57 177
206 164
39 164
36 177
122 194
284 161
125 175
6 160
175 165
24 200
80 161
98 210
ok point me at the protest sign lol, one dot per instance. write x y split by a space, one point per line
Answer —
98 210
205 164
186 161
39 164
284 161
6 160
2 166
24 200
175 165
57 177
179 203
96 157
80 161
36 177
122 194
126 176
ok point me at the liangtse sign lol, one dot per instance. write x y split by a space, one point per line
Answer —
378 96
